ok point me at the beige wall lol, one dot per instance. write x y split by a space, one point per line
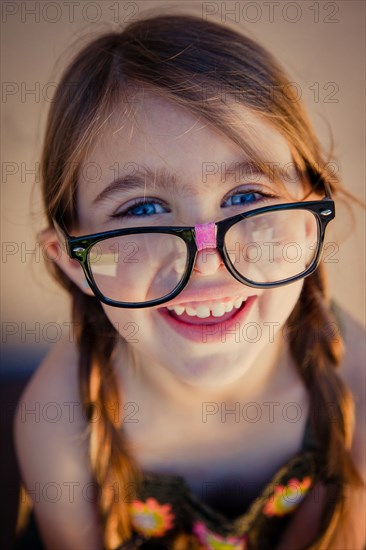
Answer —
320 43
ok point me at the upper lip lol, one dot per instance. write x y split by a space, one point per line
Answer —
214 294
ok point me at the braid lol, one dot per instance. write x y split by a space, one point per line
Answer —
185 541
111 461
331 404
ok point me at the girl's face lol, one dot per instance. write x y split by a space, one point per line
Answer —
187 173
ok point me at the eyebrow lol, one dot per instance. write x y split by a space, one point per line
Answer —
143 178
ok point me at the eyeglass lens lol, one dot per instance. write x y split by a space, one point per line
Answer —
273 246
138 268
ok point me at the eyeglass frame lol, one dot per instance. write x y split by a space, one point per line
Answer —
78 248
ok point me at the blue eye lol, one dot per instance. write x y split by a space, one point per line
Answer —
243 198
141 209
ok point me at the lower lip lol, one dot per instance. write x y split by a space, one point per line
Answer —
213 332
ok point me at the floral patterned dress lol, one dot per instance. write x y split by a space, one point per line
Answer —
165 507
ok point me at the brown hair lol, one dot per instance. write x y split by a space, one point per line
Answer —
209 69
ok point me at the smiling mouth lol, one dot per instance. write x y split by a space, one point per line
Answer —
208 314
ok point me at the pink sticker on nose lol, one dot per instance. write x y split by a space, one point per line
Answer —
205 235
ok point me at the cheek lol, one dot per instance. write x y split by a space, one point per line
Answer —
276 304
129 323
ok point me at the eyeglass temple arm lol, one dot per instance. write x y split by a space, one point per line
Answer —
328 191
63 236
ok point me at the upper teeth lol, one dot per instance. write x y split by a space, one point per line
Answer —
217 309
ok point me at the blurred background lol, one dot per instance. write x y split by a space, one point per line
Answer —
320 43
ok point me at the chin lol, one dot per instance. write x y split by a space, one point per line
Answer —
212 372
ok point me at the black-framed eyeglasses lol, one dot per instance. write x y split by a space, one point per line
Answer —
265 247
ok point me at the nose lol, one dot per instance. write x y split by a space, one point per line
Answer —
208 259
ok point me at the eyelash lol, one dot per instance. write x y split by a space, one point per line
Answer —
138 202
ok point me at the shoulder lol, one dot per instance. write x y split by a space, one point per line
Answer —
51 442
353 334
50 404
352 371
352 368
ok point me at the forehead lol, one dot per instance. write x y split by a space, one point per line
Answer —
154 132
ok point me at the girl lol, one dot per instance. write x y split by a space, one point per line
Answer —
200 408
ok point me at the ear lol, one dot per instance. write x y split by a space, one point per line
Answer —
54 249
